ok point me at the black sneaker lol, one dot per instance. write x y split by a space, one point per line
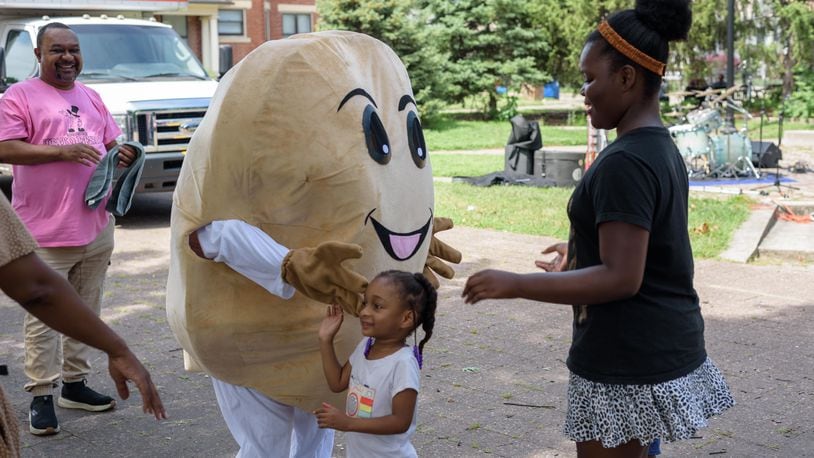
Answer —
43 421
77 395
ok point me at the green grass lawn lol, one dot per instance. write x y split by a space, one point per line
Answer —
452 134
518 209
466 165
712 221
541 211
771 128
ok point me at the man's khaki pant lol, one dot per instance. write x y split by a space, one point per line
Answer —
48 354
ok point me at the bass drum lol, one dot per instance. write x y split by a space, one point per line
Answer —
733 154
730 147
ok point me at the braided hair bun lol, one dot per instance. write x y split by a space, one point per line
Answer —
671 19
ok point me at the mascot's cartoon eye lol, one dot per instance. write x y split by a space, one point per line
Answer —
378 145
415 136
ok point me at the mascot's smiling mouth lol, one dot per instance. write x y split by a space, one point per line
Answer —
400 247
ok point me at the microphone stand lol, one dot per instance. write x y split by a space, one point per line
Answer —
777 184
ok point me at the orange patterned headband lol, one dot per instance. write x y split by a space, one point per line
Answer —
629 50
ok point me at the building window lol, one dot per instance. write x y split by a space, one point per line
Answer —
296 23
179 24
230 23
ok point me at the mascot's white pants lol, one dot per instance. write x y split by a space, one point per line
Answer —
266 428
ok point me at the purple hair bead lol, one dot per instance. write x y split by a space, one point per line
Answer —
368 345
418 357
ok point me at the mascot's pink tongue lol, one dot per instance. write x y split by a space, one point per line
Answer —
403 245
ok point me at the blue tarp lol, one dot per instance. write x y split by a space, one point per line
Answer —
767 178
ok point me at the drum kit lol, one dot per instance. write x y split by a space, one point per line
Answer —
711 148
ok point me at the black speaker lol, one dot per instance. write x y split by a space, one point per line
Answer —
765 154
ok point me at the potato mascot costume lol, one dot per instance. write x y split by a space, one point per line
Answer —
316 141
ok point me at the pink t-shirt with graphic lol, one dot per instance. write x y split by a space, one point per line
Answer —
50 197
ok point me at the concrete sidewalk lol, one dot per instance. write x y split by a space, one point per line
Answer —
494 381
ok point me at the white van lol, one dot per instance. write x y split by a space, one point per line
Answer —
153 85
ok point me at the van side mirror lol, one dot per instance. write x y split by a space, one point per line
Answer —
3 85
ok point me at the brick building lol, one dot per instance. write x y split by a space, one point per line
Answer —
242 25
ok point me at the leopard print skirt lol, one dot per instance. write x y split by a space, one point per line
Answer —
670 411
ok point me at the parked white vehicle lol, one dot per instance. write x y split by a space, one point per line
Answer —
151 82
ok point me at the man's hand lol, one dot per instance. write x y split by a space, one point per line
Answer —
440 252
127 367
331 323
557 264
126 155
329 416
80 153
318 273
489 284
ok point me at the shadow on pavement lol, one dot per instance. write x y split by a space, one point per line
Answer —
150 210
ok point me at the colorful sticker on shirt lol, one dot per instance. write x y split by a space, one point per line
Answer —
360 401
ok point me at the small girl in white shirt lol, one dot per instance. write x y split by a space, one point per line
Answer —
382 374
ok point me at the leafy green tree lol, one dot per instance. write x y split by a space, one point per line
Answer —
566 26
707 35
456 49
795 19
490 43
401 25
801 102
774 39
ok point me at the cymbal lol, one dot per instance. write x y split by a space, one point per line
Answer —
728 92
708 92
681 93
721 93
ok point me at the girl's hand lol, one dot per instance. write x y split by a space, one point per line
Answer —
329 416
331 323
490 284
558 263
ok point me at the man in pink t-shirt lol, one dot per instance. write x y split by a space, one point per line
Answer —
54 130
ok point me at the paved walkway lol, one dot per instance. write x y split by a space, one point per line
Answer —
494 382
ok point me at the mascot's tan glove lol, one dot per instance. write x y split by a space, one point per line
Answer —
318 274
440 252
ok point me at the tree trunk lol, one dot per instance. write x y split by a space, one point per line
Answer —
492 105
788 69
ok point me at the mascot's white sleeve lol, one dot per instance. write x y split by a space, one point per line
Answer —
249 251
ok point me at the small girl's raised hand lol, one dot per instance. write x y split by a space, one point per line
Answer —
331 323
329 416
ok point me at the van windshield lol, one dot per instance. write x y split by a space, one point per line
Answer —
133 52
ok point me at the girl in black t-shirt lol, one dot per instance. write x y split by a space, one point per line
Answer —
639 369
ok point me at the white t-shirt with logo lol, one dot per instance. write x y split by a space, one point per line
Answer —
372 386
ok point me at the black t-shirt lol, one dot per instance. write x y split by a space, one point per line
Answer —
658 334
